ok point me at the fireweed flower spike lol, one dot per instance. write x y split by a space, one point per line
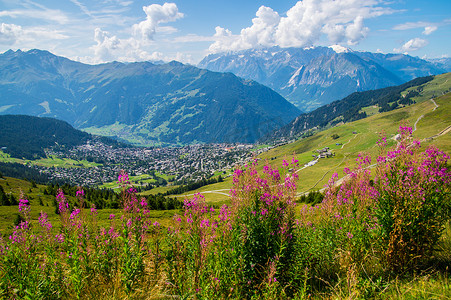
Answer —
285 163
44 222
80 193
63 206
24 208
123 179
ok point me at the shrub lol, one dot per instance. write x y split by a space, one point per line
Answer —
337 237
248 249
414 201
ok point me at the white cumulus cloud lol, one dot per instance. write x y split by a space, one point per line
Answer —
261 33
110 47
9 34
32 37
262 30
429 29
341 21
135 48
106 46
356 31
411 45
222 37
155 15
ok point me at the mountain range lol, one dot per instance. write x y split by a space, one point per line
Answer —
313 77
172 103
141 102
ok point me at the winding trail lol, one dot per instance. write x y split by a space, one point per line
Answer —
433 101
221 192
415 125
421 117
355 135
443 132
324 175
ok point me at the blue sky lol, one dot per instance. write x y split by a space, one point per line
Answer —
100 31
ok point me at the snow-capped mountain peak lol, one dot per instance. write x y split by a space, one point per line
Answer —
339 49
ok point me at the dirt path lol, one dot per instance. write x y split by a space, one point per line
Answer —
415 125
421 117
355 135
443 132
433 101
221 192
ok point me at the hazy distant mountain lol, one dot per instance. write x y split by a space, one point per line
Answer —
312 77
443 63
143 102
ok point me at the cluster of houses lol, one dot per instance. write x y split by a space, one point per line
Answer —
323 153
188 163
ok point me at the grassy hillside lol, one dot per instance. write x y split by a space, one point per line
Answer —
439 86
431 122
35 195
51 161
359 105
39 201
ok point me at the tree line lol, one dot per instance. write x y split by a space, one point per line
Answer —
98 198
193 186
